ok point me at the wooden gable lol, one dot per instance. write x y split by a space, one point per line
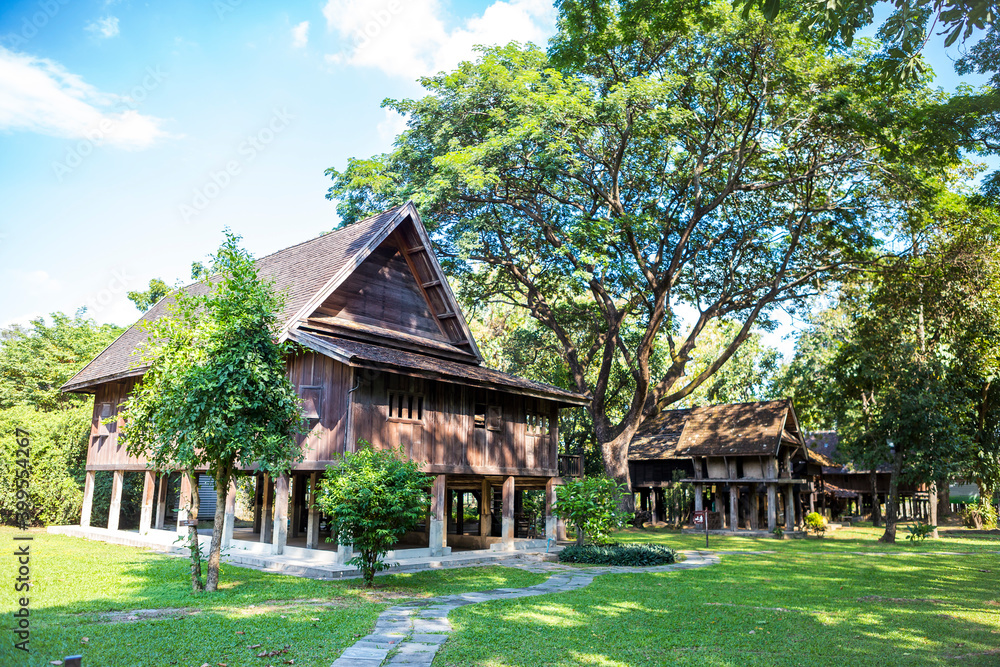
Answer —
397 296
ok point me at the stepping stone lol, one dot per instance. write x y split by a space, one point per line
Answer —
423 638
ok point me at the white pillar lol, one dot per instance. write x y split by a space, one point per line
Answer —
229 520
161 500
507 518
438 529
146 510
280 514
312 521
551 522
183 501
114 514
88 499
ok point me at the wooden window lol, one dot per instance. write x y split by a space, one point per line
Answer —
406 407
104 411
489 417
312 401
537 425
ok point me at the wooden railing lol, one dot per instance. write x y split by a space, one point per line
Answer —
571 465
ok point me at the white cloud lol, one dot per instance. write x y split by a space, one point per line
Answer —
106 27
300 35
410 38
35 283
40 95
391 126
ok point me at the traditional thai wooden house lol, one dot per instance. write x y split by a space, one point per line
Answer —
747 461
386 357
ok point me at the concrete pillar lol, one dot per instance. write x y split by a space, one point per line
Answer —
734 506
266 499
654 506
438 530
146 509
789 508
932 509
161 500
507 518
183 501
699 498
312 521
551 523
298 503
258 501
754 509
229 520
88 499
486 509
280 514
772 507
114 514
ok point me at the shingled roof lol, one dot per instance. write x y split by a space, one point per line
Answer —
735 429
306 273
299 271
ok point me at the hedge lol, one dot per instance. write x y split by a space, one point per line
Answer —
640 555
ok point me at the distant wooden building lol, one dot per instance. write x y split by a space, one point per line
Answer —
747 461
387 357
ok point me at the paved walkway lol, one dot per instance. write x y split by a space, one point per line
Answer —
411 633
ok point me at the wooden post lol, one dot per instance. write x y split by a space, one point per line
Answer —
551 524
699 498
183 502
280 514
312 521
265 509
298 503
789 508
146 509
734 507
485 509
88 499
654 506
161 500
114 513
507 518
229 519
438 533
771 472
754 508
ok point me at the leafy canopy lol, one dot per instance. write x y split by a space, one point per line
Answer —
592 505
372 498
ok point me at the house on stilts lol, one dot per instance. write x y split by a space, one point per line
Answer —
386 357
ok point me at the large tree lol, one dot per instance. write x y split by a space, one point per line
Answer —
659 169
215 395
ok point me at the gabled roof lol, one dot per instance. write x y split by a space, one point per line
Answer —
307 273
735 429
364 355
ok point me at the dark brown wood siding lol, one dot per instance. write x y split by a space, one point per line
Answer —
446 438
106 450
326 381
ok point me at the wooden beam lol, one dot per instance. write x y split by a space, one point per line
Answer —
486 509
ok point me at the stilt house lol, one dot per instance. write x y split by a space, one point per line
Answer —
747 461
389 359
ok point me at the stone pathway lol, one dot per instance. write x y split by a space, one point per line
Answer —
411 633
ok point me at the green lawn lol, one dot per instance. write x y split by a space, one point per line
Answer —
812 602
77 583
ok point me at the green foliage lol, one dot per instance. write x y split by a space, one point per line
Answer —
372 498
778 532
920 531
146 300
629 555
982 515
592 505
816 522
35 361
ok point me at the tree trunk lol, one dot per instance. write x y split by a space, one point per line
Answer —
932 509
215 551
195 548
876 505
614 453
889 537
944 502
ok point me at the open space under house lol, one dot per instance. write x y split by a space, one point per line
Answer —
388 358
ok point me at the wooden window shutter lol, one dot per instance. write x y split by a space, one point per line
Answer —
312 401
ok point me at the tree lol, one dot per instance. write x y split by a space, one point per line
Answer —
35 361
657 171
146 300
592 504
215 394
372 498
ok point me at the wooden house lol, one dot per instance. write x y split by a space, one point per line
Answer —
387 357
747 461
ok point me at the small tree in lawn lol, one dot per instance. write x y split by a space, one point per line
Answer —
215 394
592 504
372 498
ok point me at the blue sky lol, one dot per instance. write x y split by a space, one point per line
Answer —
132 133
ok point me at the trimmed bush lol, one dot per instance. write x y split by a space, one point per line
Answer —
635 555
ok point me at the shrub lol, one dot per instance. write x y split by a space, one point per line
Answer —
372 498
635 555
979 516
816 523
591 504
919 531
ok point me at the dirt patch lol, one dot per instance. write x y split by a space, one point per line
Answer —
992 651
136 615
746 606
879 598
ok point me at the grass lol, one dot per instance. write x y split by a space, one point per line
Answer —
79 586
833 601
